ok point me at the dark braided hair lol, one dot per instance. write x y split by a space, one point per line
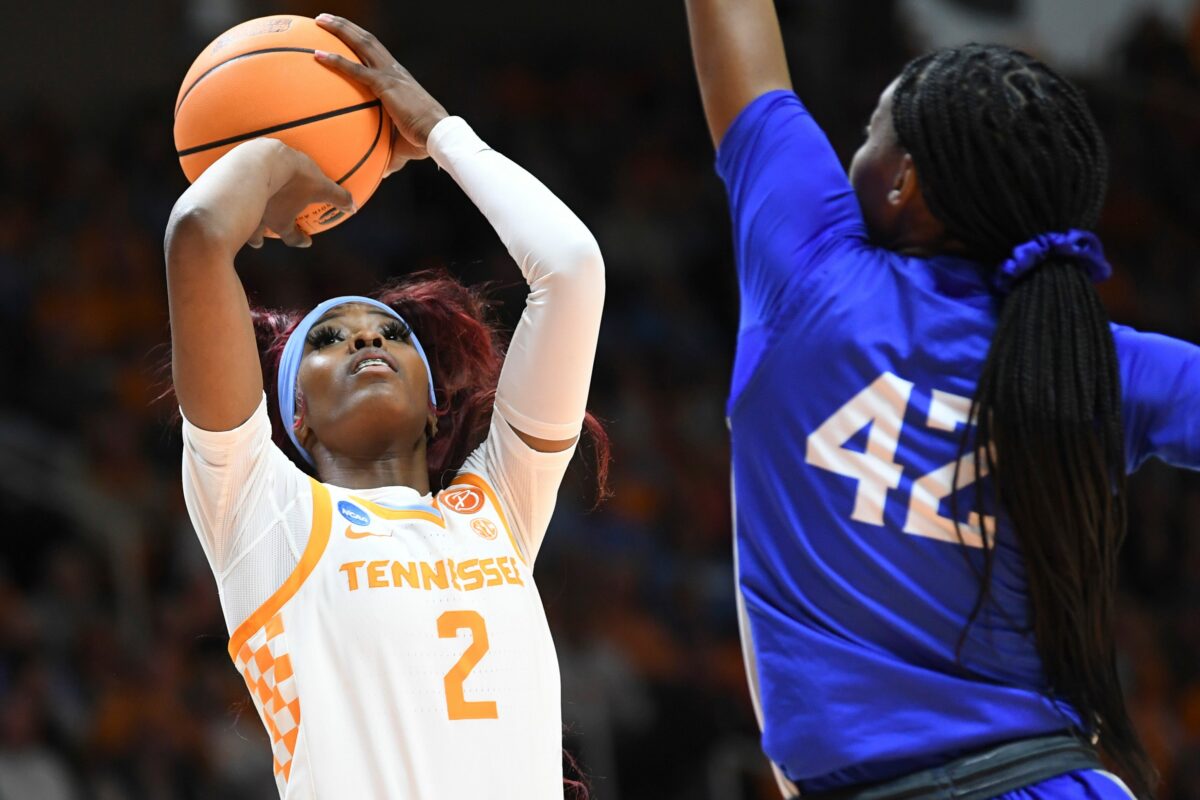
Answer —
1006 149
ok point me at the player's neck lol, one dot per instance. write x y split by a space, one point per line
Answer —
374 472
916 232
925 247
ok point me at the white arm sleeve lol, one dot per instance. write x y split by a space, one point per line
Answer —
544 384
546 375
251 507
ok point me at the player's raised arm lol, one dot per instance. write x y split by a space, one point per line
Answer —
544 385
738 51
258 185
789 196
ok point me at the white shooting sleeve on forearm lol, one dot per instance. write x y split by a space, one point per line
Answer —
544 382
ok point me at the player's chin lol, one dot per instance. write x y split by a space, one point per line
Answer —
383 397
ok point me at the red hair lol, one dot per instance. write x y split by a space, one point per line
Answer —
465 352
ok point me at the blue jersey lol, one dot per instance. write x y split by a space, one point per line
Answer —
851 388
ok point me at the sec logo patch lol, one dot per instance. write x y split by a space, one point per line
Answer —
485 528
463 499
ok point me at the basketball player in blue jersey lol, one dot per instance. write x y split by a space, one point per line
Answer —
927 320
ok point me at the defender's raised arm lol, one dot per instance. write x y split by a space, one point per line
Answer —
738 51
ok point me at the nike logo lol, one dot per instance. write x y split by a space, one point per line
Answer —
353 534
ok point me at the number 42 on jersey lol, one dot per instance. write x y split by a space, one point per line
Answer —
882 406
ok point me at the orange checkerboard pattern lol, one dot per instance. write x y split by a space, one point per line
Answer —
265 664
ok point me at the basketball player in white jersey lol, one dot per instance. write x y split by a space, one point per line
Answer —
391 634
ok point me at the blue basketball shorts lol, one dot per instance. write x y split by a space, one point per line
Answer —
1088 784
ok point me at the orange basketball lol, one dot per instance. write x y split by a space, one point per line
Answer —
260 79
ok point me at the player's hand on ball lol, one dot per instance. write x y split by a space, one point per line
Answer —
413 110
300 184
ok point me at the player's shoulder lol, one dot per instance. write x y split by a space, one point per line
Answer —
488 469
476 501
1154 364
1134 344
849 277
252 433
770 108
480 462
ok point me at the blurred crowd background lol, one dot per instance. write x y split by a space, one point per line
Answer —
114 681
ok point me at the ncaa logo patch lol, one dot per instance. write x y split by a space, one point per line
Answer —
353 513
463 499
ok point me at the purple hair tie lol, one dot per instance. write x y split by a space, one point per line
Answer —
1082 246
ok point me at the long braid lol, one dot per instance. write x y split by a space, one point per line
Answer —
1007 150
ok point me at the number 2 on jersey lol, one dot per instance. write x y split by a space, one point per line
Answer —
882 406
449 624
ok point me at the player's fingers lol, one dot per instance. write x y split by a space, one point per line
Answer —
292 236
361 41
336 195
402 152
364 75
314 186
396 164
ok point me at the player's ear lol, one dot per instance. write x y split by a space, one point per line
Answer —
906 187
907 200
304 434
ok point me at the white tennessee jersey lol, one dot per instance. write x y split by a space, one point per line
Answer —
408 655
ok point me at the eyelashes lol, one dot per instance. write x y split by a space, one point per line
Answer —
325 335
397 331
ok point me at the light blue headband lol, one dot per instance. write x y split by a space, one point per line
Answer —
293 351
1082 246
